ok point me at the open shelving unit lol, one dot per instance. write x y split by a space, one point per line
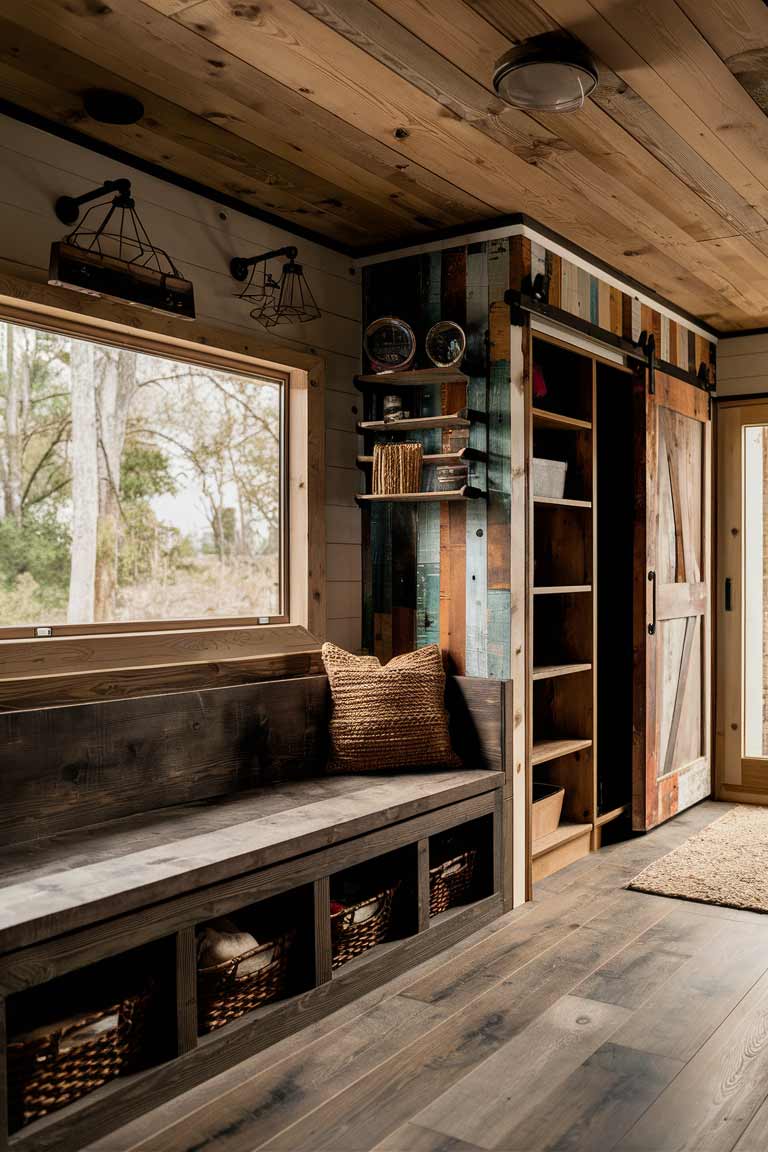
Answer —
564 565
416 423
426 393
434 459
409 378
466 492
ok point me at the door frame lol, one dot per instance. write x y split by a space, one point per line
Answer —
727 655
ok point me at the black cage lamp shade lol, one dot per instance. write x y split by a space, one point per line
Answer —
548 73
288 300
113 228
109 253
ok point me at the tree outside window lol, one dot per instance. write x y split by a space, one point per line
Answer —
134 487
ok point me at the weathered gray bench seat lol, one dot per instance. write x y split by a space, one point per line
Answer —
76 878
126 825
106 807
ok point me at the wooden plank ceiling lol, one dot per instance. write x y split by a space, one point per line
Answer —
376 122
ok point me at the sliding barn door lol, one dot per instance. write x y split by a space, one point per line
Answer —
671 767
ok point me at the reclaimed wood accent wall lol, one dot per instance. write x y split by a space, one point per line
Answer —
441 572
572 288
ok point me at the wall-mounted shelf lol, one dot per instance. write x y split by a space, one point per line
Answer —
411 378
544 419
416 424
546 750
561 589
552 671
435 459
553 501
465 493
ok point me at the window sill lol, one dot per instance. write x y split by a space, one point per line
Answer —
72 670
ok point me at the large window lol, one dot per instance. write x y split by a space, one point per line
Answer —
135 488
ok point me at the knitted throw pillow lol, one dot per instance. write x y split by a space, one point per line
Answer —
389 717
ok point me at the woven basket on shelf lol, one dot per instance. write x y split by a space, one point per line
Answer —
52 1067
451 882
224 992
361 926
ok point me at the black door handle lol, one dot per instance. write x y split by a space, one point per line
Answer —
728 594
652 625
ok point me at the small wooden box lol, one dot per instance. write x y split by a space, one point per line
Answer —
547 808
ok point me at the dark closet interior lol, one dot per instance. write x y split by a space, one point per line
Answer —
614 444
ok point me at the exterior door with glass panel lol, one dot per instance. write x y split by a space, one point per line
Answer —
672 767
742 617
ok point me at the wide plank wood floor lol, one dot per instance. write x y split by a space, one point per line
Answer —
591 1019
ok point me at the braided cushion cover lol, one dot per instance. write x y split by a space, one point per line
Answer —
389 717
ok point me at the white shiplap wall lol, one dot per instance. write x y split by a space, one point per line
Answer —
36 168
742 365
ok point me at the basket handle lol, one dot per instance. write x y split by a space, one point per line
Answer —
269 952
79 1033
375 905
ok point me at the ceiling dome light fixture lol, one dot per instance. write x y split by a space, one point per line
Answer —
548 73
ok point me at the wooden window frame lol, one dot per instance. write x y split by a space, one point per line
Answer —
146 655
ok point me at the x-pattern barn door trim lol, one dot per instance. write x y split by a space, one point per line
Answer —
672 544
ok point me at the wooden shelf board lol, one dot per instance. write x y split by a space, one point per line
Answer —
545 750
411 377
465 493
550 671
415 423
614 814
554 420
563 834
561 589
562 502
437 458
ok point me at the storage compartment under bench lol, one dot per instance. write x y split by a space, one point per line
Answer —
76 1034
214 826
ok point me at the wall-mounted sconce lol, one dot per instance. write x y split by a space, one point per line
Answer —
288 300
110 254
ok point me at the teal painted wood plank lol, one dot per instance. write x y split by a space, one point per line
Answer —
428 515
428 576
499 631
477 513
594 300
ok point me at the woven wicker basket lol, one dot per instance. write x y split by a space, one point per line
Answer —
361 926
225 992
53 1067
451 882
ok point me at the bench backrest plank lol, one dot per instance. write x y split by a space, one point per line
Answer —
66 768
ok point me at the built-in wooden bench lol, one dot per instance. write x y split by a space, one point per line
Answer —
126 824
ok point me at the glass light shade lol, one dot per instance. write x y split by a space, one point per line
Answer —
445 344
545 75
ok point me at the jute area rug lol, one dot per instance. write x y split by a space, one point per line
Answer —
726 863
